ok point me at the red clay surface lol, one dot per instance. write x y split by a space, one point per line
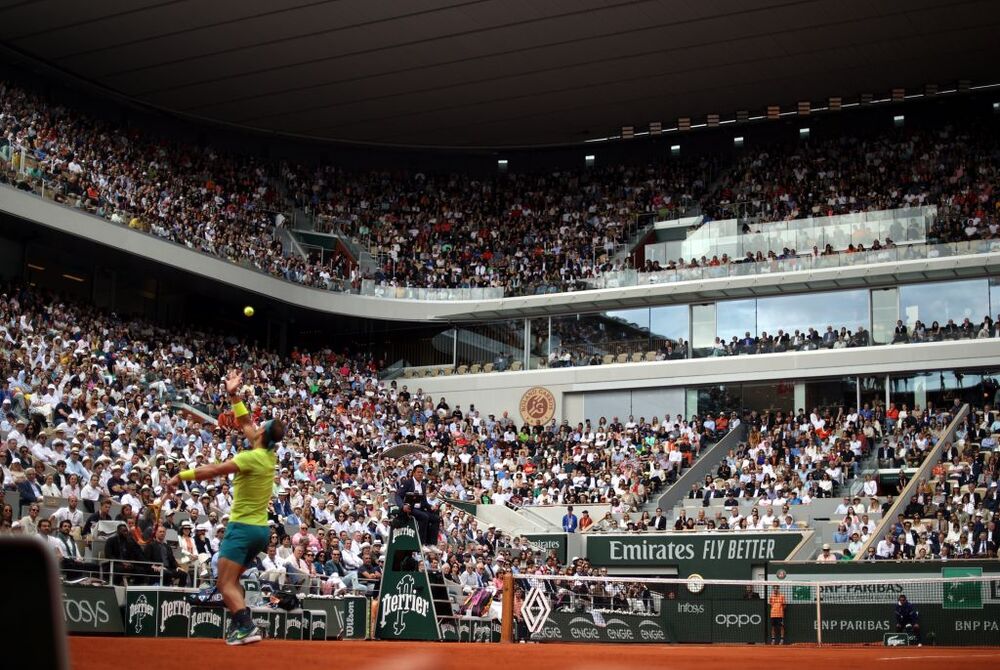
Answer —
88 653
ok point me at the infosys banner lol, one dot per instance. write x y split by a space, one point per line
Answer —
92 609
711 555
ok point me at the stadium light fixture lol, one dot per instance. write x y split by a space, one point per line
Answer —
996 107
803 133
898 120
675 150
502 165
738 141
73 277
589 160
40 268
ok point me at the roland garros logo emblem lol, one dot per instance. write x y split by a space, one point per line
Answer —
538 405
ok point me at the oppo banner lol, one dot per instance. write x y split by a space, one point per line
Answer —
91 609
704 621
710 621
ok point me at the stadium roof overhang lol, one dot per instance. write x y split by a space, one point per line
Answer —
495 73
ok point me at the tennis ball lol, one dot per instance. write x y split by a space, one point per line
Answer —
248 311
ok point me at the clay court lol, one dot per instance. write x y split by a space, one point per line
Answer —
93 653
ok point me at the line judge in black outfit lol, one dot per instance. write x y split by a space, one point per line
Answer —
411 497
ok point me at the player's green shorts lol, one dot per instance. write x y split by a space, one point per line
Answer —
242 542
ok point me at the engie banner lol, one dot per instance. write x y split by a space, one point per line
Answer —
689 620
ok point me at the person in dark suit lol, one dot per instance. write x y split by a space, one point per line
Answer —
659 521
411 496
159 553
123 549
102 514
899 333
282 506
886 454
29 490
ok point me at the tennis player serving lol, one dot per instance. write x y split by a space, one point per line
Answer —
247 532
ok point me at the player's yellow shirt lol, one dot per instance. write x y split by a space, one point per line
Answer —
252 486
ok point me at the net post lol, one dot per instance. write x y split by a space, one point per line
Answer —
507 611
819 617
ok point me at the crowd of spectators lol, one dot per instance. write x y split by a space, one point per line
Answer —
522 232
89 423
789 460
516 231
955 169
953 513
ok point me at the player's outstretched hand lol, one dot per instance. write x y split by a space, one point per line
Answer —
233 382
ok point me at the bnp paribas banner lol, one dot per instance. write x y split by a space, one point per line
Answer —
871 623
710 555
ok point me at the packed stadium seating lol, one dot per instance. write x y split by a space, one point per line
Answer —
519 233
97 407
87 392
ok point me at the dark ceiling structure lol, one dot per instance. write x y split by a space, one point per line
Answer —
499 73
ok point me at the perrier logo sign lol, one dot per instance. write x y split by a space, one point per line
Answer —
396 605
962 595
405 610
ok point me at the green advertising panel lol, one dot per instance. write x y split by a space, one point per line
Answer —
710 555
346 618
962 595
207 622
91 609
140 611
476 629
546 542
293 625
173 614
715 620
315 622
405 610
607 627
843 623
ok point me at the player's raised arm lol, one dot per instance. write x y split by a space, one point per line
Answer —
250 429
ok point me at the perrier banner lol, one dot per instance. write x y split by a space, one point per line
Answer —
405 610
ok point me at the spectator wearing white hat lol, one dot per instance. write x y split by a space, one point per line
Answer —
826 556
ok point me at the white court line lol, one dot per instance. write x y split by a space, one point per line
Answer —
920 656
